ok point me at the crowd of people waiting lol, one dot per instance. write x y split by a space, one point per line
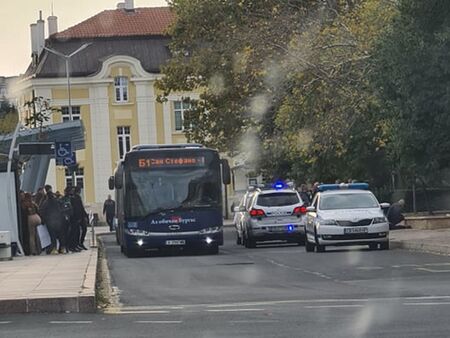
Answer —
62 216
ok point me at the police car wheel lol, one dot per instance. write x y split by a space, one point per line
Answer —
320 248
384 246
373 246
309 246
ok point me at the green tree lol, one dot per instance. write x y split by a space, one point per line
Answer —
8 117
413 76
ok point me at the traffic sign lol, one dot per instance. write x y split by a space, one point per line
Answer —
64 154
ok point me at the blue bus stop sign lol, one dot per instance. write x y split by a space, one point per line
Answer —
64 154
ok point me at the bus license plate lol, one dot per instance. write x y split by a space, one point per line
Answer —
356 230
176 242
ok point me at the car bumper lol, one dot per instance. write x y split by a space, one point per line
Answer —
294 232
192 239
335 235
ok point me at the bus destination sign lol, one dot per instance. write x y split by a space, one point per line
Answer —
171 162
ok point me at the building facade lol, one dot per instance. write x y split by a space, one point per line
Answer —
112 89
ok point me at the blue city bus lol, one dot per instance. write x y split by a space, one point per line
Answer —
169 196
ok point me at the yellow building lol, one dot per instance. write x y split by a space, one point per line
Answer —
112 89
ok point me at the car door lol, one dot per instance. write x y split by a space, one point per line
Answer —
312 215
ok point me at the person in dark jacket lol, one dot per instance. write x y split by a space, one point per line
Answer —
394 214
79 218
109 209
53 217
304 194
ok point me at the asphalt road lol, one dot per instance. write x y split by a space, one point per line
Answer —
270 291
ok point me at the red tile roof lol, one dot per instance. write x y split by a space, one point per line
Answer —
119 22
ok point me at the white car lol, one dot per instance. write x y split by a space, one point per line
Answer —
346 214
274 214
239 214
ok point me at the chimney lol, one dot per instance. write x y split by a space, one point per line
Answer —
121 5
34 38
129 5
40 34
52 25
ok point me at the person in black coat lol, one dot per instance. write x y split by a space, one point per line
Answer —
394 214
80 217
53 217
109 210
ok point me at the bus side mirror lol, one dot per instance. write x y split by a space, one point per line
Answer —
118 177
111 183
226 172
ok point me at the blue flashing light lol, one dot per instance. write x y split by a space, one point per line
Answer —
278 185
343 186
290 228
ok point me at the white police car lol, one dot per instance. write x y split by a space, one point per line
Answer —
274 213
346 214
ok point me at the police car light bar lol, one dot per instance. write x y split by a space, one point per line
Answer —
342 186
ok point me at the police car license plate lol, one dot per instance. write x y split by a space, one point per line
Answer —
176 242
356 230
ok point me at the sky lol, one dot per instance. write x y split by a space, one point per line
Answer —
17 15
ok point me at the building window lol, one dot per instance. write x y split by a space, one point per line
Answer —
121 88
79 176
179 108
76 113
124 140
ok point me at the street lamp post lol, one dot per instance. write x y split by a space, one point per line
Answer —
67 60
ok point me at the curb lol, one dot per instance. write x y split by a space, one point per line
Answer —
84 302
436 249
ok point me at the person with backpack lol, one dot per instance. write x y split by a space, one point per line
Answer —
52 216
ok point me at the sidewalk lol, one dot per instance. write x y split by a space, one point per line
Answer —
432 241
50 283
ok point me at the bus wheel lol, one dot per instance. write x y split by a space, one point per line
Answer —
213 249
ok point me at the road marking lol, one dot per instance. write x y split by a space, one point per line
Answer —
5 323
233 310
71 322
158 321
135 312
369 268
432 270
427 304
253 321
332 306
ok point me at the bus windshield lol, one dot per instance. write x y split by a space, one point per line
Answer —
151 191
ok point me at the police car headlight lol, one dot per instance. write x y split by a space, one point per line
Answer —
380 220
327 222
209 230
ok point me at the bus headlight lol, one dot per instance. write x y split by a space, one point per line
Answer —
209 240
140 242
210 230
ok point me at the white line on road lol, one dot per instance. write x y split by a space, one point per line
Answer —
233 310
253 321
71 322
5 323
158 321
427 304
432 270
332 306
137 312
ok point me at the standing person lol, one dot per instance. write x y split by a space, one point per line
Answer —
109 210
54 219
39 197
80 217
304 194
72 227
33 220
25 236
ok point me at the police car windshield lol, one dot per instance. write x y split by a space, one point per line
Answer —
277 199
348 201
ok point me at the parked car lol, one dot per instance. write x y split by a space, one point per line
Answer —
346 214
274 213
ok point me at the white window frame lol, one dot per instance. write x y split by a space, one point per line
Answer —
180 111
123 140
79 177
121 92
76 113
